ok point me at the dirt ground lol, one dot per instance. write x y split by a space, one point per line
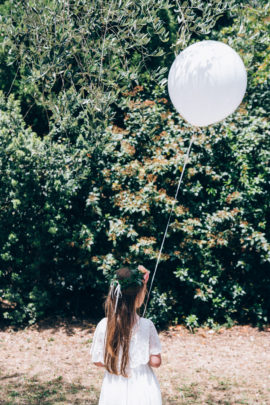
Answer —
50 363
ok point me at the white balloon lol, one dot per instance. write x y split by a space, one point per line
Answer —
207 82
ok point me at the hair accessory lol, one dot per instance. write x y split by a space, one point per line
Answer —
117 292
139 275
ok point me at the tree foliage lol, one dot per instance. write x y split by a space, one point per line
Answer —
94 51
91 151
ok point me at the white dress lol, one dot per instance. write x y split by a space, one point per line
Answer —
142 386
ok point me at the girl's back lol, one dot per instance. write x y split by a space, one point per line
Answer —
144 342
117 341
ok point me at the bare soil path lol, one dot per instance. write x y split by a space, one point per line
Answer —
49 363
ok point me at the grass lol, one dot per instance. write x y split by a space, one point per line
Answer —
51 366
32 391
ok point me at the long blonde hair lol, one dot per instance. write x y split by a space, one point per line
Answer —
119 324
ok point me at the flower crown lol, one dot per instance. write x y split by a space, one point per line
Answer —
139 276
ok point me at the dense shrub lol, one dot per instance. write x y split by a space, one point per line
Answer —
45 232
218 239
95 187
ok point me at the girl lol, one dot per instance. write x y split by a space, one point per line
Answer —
126 344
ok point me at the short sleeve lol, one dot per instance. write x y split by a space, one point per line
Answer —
97 347
154 341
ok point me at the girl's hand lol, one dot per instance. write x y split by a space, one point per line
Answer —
145 271
99 364
155 360
142 269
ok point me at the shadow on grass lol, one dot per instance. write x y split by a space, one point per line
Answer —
69 324
219 392
18 389
21 390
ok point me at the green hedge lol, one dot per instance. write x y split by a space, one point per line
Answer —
87 193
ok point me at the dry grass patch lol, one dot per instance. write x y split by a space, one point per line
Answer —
49 363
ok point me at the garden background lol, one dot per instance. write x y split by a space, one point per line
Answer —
91 150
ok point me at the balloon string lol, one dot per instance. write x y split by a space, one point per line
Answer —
168 223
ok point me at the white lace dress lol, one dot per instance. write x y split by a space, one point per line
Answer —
142 386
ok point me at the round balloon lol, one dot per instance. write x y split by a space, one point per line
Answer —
207 82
